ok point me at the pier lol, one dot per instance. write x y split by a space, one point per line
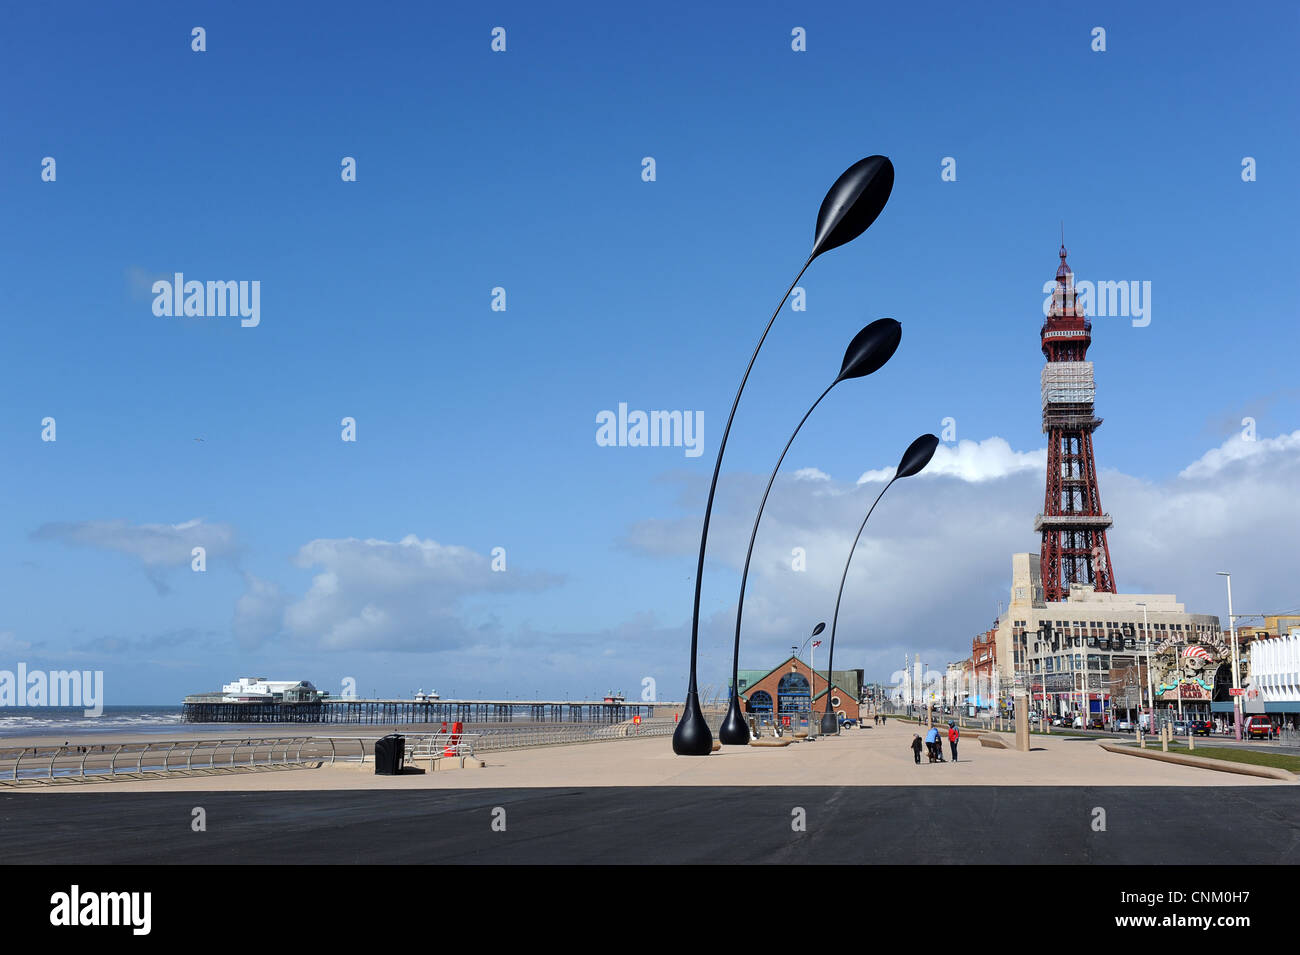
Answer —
401 712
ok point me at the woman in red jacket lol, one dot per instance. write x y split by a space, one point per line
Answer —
953 736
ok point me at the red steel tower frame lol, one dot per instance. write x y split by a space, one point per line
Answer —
1073 524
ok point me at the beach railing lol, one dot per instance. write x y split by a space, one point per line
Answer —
553 734
88 761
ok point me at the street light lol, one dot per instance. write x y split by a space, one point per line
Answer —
850 207
914 460
1236 683
1151 687
870 349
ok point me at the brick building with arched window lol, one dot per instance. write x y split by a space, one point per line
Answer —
793 688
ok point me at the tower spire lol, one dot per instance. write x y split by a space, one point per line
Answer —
1073 525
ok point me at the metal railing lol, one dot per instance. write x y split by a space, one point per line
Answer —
491 739
84 761
154 757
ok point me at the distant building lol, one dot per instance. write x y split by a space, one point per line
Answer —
955 682
258 689
1066 649
1273 666
982 676
793 689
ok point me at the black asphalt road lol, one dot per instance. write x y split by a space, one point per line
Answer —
860 825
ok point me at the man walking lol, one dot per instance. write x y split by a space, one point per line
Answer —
953 736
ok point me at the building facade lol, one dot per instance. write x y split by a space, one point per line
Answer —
792 690
1272 686
1066 652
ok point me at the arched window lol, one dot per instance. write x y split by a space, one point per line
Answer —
792 694
759 702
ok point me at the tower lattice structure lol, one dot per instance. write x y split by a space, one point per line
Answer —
1073 524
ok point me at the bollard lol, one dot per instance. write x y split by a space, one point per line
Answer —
1191 740
1164 743
1142 740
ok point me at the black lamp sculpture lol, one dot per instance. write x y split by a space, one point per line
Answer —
868 352
915 458
854 201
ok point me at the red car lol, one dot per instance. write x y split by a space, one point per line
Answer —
1258 727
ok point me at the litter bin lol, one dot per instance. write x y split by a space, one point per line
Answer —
390 753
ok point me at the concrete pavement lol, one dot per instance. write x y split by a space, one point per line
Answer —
874 756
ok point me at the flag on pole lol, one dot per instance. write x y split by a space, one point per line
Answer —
817 643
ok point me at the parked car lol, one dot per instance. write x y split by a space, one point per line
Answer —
1096 723
1258 727
1180 727
1201 727
1077 723
1123 726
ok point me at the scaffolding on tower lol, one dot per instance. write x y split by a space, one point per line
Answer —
1073 524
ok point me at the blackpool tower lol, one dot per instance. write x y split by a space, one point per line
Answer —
1073 524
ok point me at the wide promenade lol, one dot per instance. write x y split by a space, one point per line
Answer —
872 756
856 799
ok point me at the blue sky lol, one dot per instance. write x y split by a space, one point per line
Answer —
476 428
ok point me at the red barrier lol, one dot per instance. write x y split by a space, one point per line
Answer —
456 729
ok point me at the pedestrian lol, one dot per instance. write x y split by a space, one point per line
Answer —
953 736
916 748
935 747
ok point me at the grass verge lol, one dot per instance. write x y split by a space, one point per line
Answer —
1232 755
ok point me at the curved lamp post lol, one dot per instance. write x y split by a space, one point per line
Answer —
868 352
914 460
852 204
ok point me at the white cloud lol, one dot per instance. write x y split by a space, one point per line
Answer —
935 559
811 474
1237 449
985 460
157 547
154 545
377 594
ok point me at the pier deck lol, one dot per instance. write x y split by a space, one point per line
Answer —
400 712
